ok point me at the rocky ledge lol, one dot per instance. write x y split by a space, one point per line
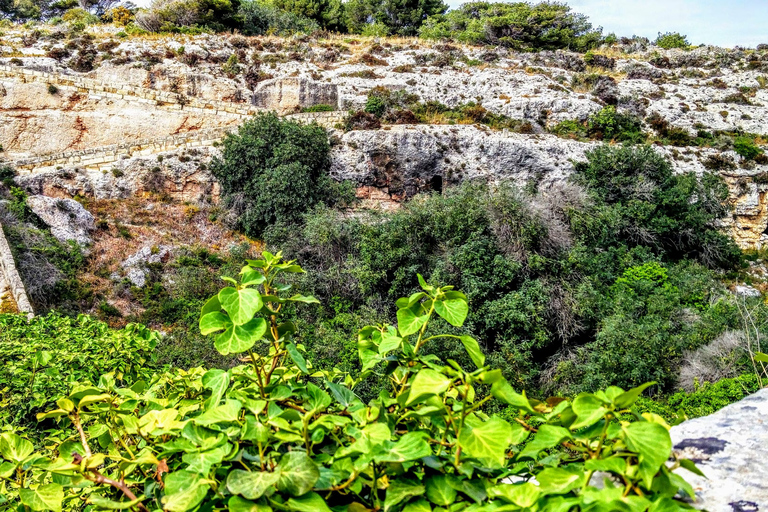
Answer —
731 449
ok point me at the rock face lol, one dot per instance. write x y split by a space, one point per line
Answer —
136 266
731 448
67 218
287 95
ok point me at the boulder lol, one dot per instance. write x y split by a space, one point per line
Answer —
287 95
731 448
67 218
746 291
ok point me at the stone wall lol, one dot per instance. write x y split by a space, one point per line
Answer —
142 94
12 279
285 95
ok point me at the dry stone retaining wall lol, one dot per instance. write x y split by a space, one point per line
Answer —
10 275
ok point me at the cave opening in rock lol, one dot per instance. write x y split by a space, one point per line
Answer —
436 184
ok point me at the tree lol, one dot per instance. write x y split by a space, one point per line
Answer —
401 17
328 14
272 171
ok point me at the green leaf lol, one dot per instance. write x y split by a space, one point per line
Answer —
611 465
238 504
217 381
66 404
213 322
184 490
202 462
588 409
298 473
250 277
319 400
15 448
241 304
239 338
93 399
251 484
227 412
102 502
44 497
424 284
296 357
411 446
760 357
652 442
473 349
628 398
427 382
560 480
399 491
213 304
304 299
691 466
523 495
342 394
389 342
487 442
501 390
409 321
310 502
439 491
454 311
42 358
547 437
418 506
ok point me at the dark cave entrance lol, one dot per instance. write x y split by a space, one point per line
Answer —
436 184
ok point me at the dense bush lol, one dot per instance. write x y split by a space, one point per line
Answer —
520 25
390 17
169 15
670 40
43 357
271 171
266 435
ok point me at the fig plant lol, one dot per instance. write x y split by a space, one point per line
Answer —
275 434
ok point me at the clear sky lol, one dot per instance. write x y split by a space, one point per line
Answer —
720 22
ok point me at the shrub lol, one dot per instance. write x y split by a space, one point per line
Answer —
231 68
670 40
608 124
266 434
319 108
378 18
640 201
747 148
542 26
44 356
361 120
375 105
272 171
179 15
52 89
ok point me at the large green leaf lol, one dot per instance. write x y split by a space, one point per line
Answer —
44 497
238 504
652 442
239 338
409 320
523 495
213 322
628 398
560 480
202 462
439 490
547 437
251 484
298 473
310 502
487 442
427 382
454 311
227 412
184 490
105 503
588 409
411 446
241 304
399 491
217 381
473 349
15 448
296 357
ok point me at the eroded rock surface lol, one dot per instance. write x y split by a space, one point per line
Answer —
67 218
731 448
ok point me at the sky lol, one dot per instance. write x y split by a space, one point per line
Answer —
720 22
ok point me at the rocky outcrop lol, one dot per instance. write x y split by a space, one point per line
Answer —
67 219
730 447
136 266
13 295
288 95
